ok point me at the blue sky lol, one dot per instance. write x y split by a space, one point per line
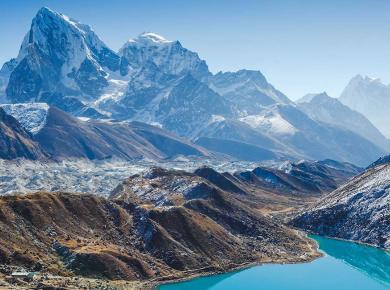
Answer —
300 46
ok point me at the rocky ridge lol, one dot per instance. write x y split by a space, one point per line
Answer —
357 211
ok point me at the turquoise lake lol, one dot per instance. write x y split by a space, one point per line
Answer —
345 266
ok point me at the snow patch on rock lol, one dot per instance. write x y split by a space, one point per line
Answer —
271 121
32 116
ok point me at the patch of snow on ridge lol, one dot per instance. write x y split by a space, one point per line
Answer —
217 118
114 91
154 37
150 37
145 39
32 116
270 122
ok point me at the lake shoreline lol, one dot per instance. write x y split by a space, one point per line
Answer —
313 254
353 265
346 240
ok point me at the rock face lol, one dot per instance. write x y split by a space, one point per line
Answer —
160 224
5 73
371 98
60 58
170 57
248 90
189 106
323 108
15 141
358 210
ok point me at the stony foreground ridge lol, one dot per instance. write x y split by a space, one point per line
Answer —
358 210
163 224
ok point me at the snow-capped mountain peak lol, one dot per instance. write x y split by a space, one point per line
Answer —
145 39
364 79
169 56
68 34
370 97
48 23
359 84
60 57
323 108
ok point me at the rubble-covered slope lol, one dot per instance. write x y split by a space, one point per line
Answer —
358 211
134 236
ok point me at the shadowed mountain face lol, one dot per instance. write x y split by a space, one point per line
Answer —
159 223
61 135
301 178
380 161
157 81
15 141
65 136
236 149
358 210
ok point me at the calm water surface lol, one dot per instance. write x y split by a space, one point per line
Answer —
346 266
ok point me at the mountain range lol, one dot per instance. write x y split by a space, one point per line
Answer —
137 175
153 80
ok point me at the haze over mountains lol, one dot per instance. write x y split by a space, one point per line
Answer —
332 111
371 98
153 80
